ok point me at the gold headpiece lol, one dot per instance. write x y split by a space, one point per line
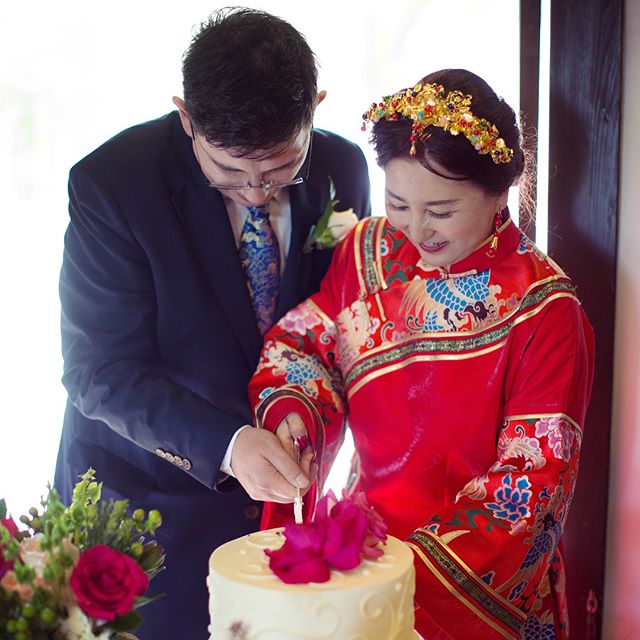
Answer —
428 105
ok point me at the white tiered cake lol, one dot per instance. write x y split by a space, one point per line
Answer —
374 601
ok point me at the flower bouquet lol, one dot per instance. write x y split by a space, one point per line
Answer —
77 572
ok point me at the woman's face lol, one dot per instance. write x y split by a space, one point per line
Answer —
446 220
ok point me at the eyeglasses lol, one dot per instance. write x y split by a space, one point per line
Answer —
264 186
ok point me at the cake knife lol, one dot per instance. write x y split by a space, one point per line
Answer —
297 499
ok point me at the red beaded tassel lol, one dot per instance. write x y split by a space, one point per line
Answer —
492 251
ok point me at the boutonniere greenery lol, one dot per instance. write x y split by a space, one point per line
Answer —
332 225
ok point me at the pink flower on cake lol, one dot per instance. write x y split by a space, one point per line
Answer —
341 534
106 582
376 527
346 527
300 559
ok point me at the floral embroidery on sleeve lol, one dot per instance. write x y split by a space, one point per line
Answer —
560 434
522 500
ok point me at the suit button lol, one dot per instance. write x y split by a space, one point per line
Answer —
186 464
177 460
160 452
252 512
168 456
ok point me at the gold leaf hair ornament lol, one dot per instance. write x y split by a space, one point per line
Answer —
429 105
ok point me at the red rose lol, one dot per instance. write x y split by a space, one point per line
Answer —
10 526
106 582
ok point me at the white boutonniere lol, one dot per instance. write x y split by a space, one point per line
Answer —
332 226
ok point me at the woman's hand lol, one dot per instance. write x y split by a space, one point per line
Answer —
292 429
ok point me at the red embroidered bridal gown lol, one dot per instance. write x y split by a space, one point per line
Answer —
466 391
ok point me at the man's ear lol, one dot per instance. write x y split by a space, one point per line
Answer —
321 96
184 116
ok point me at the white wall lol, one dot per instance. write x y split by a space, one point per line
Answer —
622 588
73 73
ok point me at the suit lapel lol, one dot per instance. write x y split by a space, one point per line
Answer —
307 204
214 245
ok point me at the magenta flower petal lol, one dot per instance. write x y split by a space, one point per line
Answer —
310 536
343 532
324 506
371 547
298 566
346 533
377 526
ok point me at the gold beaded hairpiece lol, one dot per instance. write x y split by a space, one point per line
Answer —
428 105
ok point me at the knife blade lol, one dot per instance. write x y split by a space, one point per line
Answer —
297 499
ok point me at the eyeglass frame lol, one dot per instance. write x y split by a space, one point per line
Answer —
264 186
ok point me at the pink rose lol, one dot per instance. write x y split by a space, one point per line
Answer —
346 531
11 527
106 582
300 559
334 541
296 565
376 527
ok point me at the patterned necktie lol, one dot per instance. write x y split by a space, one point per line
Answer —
260 258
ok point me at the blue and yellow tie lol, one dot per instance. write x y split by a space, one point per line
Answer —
260 258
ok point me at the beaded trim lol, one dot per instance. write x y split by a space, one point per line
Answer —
473 590
457 343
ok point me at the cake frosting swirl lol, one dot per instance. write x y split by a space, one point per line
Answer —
373 601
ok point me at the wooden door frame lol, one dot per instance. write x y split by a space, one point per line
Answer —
584 108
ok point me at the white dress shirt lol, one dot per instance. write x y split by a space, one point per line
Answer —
280 218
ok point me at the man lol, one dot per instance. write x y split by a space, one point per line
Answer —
162 317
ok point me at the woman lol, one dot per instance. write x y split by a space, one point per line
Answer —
463 360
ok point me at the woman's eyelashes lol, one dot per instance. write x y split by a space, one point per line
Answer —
393 206
439 215
401 208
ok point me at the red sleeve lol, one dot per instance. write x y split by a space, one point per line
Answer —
299 371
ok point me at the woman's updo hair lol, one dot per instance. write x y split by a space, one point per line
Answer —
391 139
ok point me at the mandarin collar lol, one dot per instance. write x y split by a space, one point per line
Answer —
478 260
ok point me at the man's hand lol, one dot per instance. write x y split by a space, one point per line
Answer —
265 469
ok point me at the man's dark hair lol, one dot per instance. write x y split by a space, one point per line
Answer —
249 81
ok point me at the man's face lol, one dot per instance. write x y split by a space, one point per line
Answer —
249 174
243 178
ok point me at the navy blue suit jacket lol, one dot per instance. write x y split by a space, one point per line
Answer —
159 340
